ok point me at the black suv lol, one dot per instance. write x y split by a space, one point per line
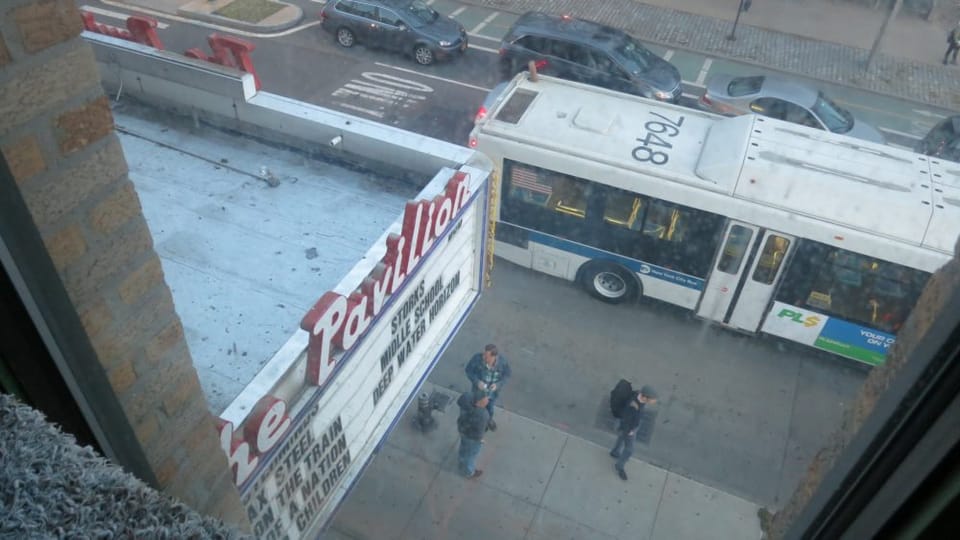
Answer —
587 52
408 26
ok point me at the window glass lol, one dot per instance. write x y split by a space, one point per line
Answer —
389 17
744 86
854 287
514 108
554 191
734 249
360 9
421 14
666 222
772 107
798 115
623 209
771 258
837 119
533 43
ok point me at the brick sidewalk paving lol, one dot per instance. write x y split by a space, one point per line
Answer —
842 64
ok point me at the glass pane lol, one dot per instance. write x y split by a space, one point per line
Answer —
774 251
514 108
734 249
623 209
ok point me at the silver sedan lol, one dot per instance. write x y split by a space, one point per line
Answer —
785 99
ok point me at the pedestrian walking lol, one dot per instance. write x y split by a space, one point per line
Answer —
630 418
953 44
472 423
488 372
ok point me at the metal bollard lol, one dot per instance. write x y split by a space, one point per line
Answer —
424 420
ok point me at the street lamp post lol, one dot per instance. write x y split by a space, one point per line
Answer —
742 8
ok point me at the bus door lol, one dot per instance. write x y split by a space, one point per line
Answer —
746 273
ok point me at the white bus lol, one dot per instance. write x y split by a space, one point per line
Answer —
756 224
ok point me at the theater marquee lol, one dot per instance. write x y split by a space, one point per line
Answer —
300 433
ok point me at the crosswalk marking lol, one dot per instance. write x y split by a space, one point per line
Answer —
117 15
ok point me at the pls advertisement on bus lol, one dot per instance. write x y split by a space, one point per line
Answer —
840 337
300 434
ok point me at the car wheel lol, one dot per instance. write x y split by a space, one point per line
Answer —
345 37
423 55
609 282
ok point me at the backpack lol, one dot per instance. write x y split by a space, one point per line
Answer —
952 36
620 396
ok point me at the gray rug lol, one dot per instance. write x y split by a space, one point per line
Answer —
52 488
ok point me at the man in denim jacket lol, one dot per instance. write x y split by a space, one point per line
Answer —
488 372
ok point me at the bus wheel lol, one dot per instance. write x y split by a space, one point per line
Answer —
609 282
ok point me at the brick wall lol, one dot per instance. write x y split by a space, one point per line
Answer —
57 139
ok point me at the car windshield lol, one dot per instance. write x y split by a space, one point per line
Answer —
422 13
637 56
836 118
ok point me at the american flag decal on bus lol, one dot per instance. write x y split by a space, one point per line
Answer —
526 178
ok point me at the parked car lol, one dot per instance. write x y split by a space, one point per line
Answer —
407 26
785 99
587 52
943 141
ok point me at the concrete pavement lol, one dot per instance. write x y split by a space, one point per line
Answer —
538 483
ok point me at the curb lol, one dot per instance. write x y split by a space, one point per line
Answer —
241 25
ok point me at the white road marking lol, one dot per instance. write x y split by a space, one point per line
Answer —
929 114
371 112
703 71
488 38
451 81
458 11
484 49
485 22
117 15
668 55
204 24
900 133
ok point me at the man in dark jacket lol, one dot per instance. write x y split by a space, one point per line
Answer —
629 422
488 372
472 423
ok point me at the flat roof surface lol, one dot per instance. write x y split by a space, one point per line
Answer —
245 261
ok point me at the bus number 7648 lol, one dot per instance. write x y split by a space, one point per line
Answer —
656 128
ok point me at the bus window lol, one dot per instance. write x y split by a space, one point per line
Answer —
665 222
623 208
734 249
854 287
569 195
774 250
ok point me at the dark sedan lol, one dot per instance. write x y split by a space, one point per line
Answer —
408 26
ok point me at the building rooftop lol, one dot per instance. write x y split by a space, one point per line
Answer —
245 260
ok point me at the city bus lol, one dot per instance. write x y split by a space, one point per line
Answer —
758 225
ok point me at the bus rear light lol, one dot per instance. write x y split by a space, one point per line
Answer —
540 64
472 143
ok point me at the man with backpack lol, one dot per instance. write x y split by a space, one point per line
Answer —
472 423
953 45
630 417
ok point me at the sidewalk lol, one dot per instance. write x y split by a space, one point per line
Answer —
538 483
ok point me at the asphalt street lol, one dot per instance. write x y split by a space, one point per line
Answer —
440 100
